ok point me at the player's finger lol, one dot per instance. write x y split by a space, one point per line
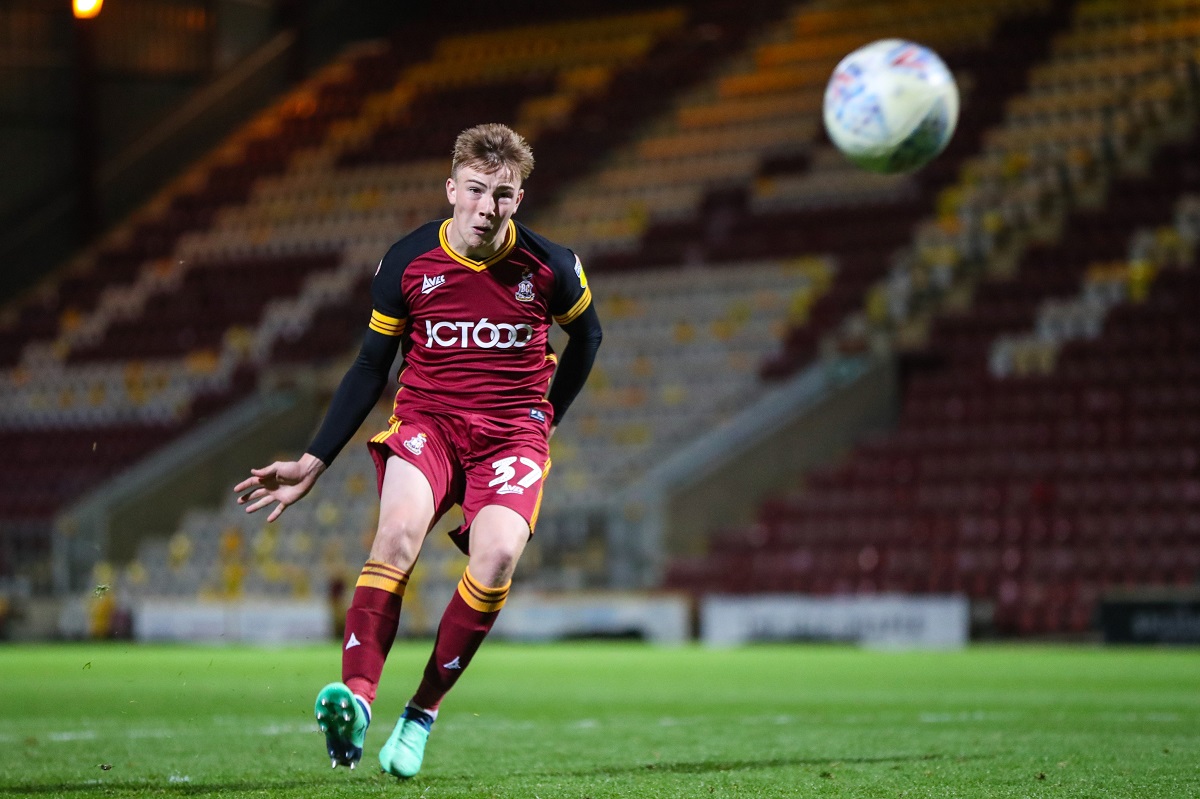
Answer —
275 514
255 494
266 471
262 503
249 482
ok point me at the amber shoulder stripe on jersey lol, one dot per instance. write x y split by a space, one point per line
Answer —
578 308
390 310
387 325
571 296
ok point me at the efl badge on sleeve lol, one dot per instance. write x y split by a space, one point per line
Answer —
579 273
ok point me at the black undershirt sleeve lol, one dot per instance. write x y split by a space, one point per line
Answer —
356 395
576 362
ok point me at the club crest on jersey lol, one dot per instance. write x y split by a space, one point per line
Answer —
416 443
525 287
428 283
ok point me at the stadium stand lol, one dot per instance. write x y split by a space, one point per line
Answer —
1046 449
1032 468
726 324
133 290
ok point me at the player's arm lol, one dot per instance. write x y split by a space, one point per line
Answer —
287 482
575 312
584 337
356 395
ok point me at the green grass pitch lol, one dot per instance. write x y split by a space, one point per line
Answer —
606 720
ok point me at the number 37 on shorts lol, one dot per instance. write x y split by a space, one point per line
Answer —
512 479
515 474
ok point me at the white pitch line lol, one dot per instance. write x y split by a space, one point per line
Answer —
80 735
70 736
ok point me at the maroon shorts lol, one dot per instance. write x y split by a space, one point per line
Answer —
470 460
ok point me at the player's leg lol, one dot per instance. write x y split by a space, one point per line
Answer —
497 538
406 510
504 471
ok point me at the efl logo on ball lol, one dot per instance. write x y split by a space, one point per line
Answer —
891 106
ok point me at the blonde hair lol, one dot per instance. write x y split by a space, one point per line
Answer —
490 148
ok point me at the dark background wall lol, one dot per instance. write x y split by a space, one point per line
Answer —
77 98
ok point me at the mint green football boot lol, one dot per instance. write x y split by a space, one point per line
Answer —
401 756
344 719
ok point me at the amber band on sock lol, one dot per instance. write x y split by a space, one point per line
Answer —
479 597
377 574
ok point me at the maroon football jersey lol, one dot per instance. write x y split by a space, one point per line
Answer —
475 333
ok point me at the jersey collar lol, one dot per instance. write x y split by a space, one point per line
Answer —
510 243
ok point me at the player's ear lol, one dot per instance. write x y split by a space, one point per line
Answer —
517 199
451 190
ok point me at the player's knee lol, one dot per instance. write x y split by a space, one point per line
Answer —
495 565
493 574
498 537
397 543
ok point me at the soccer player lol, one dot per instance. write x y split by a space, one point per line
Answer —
469 301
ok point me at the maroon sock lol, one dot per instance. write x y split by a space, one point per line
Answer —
468 618
371 624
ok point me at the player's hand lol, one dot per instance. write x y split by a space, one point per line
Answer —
284 482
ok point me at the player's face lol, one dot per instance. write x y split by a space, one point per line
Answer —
483 203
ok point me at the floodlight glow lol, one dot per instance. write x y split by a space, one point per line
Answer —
86 9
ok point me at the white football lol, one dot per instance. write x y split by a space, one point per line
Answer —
891 106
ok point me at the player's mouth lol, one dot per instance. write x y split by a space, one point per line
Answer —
483 230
